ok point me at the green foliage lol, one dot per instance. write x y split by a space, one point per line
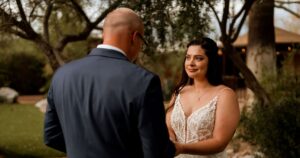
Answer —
286 83
23 72
21 132
2 99
168 66
64 20
192 20
24 68
75 50
32 66
170 24
13 45
4 81
275 128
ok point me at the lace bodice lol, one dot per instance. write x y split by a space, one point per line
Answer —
196 127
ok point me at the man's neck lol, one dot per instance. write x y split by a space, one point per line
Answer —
108 46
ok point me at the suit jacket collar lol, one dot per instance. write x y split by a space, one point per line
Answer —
108 53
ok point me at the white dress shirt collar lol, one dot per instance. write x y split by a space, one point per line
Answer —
106 46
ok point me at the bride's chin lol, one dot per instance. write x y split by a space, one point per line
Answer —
191 75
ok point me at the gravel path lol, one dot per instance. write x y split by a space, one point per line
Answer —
29 99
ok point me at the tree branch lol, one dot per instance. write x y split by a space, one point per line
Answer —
23 25
2 3
99 28
46 20
246 11
32 11
32 16
20 34
236 34
21 10
87 30
103 15
9 20
225 17
231 27
287 2
288 10
9 25
57 28
214 11
80 11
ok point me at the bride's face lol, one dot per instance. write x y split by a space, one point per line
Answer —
196 62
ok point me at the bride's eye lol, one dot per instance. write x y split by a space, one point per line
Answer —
187 57
199 58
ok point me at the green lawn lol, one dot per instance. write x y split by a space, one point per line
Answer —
21 132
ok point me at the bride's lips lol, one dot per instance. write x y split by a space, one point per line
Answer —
192 70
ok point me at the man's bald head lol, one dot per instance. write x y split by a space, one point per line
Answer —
122 19
123 29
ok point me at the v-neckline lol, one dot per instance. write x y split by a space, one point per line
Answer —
199 109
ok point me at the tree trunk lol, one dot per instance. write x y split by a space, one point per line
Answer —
250 79
261 55
54 60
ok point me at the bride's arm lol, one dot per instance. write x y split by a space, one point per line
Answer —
227 118
168 119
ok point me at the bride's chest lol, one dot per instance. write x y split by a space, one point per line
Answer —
202 117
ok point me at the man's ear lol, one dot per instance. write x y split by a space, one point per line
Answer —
133 37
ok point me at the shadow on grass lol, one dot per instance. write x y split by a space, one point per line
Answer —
21 133
12 154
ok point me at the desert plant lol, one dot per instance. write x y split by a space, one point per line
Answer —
275 128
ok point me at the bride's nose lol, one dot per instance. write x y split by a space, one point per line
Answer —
191 62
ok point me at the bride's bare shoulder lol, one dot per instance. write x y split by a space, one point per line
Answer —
225 92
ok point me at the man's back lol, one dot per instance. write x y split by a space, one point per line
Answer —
107 107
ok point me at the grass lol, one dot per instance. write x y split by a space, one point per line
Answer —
21 132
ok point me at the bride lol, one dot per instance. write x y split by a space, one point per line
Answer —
203 114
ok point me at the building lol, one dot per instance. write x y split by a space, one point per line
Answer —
286 43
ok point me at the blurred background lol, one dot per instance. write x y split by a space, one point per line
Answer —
259 52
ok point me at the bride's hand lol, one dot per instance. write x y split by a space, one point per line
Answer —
179 148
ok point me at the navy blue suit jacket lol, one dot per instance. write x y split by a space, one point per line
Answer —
104 106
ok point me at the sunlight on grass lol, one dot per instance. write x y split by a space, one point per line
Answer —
21 133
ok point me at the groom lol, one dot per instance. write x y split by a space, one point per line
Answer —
103 105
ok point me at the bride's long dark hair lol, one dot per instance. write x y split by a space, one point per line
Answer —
213 75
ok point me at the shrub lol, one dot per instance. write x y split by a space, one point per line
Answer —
23 72
168 66
4 81
275 129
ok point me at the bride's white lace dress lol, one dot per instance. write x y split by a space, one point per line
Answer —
196 127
